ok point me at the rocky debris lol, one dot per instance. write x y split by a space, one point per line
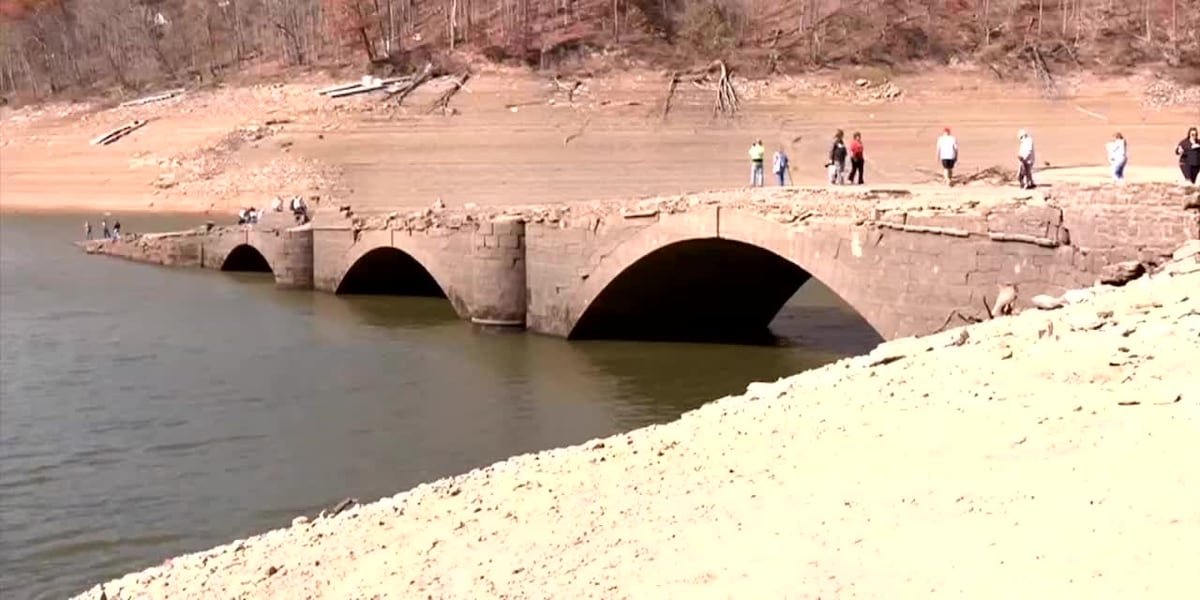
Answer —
860 91
1122 272
1163 93
1022 439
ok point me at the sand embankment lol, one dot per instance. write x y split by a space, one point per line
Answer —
517 138
1050 454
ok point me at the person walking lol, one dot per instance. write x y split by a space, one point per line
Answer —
837 159
104 232
757 153
856 158
1118 156
1025 158
87 230
779 166
1189 155
947 153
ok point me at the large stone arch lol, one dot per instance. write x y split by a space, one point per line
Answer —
763 244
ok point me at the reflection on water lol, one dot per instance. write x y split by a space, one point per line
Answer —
147 411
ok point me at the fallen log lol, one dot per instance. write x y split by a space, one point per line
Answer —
111 136
155 98
357 90
358 87
338 88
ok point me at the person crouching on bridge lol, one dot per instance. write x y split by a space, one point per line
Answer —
757 153
1025 158
779 165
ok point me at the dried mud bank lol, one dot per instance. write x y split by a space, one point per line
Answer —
1045 454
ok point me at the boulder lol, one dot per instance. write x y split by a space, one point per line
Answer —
1122 272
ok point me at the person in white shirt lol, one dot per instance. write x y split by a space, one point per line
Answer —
947 151
1025 157
1118 157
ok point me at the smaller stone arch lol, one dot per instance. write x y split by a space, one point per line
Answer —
386 270
246 258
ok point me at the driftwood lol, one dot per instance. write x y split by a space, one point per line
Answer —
443 101
156 98
582 128
118 133
367 84
402 92
358 89
726 102
568 88
965 318
670 93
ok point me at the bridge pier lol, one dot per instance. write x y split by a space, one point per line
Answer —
498 286
294 259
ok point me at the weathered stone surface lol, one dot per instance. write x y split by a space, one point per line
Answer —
903 260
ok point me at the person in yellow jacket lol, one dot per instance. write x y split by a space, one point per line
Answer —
757 153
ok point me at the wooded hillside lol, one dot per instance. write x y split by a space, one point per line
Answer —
52 46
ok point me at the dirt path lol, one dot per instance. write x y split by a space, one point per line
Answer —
509 144
1042 455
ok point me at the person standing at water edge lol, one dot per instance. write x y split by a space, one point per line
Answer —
947 152
1025 158
856 158
1189 155
757 152
1118 156
104 233
87 230
779 165
837 159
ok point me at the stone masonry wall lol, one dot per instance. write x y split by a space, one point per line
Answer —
904 260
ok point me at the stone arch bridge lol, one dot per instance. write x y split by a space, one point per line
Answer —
903 259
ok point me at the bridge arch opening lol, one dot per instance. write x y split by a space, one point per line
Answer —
708 289
389 271
247 259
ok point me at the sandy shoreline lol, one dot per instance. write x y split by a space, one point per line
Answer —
1041 455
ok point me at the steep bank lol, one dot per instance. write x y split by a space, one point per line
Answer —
517 138
1045 454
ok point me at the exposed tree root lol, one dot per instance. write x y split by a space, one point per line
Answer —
568 87
408 87
443 102
726 103
582 128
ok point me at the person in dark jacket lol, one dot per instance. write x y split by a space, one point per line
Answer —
856 158
837 159
1189 155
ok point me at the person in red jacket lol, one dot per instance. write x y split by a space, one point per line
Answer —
856 158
